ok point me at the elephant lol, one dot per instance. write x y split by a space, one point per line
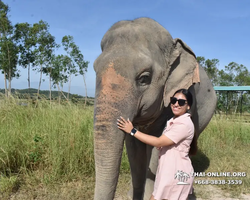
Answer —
139 69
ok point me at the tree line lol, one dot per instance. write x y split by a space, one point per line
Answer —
32 47
233 74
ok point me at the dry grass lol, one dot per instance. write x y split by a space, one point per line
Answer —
32 188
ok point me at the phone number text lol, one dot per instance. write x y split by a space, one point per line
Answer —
218 182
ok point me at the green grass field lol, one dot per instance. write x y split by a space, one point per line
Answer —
224 147
48 150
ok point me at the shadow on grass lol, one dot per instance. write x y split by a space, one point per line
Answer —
200 163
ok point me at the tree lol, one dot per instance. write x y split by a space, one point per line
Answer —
83 66
25 36
225 79
78 65
56 72
239 73
8 49
70 48
211 68
45 48
235 75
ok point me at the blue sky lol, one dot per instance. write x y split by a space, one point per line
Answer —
212 28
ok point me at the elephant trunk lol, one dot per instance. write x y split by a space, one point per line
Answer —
111 102
108 144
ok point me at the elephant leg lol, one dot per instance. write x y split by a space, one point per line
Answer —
153 156
137 155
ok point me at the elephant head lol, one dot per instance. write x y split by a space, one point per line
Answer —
140 67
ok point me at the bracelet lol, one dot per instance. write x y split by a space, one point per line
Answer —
133 131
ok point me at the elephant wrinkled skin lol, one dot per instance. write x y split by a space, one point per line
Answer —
140 67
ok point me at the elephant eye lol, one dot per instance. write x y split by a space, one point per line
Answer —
144 79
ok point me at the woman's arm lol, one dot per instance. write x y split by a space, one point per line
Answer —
161 141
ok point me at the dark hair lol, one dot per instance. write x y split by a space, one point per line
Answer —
188 95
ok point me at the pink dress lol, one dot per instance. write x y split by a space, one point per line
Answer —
174 178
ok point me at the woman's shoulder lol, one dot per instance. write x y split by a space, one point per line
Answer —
185 119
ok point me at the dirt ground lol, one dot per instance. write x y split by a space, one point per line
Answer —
79 190
215 193
209 192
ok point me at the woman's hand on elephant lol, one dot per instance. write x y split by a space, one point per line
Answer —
124 125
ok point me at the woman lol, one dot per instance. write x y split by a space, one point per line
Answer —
174 178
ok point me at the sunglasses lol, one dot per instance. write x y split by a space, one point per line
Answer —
181 102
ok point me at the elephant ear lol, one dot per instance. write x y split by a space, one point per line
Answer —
184 70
